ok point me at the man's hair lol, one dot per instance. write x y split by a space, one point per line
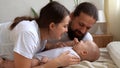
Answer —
87 8
93 51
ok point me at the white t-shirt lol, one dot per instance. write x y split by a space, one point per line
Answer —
53 53
88 36
24 39
65 38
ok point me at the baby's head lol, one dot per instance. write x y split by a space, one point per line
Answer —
87 50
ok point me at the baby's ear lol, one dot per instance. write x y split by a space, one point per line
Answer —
84 53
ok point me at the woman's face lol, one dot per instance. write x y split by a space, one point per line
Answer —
61 28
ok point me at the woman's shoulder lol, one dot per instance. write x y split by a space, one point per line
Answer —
26 25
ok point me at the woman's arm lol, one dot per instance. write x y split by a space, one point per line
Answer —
21 62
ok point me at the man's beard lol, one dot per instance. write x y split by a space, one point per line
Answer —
72 34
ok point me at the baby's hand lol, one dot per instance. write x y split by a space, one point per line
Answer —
60 44
44 60
72 43
36 62
75 41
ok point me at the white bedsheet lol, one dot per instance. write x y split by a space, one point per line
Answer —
104 61
114 51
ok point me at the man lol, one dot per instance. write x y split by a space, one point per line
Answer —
82 19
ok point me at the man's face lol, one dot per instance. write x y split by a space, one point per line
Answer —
80 25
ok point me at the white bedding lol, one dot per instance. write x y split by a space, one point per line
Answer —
104 61
114 51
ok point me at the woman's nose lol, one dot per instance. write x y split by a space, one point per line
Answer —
66 30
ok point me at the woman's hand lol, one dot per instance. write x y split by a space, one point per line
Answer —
66 59
1 62
8 64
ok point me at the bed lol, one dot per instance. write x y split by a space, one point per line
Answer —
109 58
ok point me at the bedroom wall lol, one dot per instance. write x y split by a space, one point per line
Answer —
112 9
9 9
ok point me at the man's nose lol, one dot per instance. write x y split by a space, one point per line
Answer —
83 30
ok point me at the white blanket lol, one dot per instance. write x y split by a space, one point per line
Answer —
114 51
104 61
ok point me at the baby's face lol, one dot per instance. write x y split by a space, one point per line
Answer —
80 46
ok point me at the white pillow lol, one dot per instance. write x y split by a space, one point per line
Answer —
114 51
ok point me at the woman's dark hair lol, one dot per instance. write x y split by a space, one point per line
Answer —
52 12
87 8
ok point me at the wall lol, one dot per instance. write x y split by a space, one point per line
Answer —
71 5
9 9
112 10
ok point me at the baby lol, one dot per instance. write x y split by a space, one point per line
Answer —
85 50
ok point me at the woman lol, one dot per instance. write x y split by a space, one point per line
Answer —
30 36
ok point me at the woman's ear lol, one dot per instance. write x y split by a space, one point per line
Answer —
51 26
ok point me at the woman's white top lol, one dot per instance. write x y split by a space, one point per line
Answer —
24 39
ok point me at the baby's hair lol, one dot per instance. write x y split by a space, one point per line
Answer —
93 51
